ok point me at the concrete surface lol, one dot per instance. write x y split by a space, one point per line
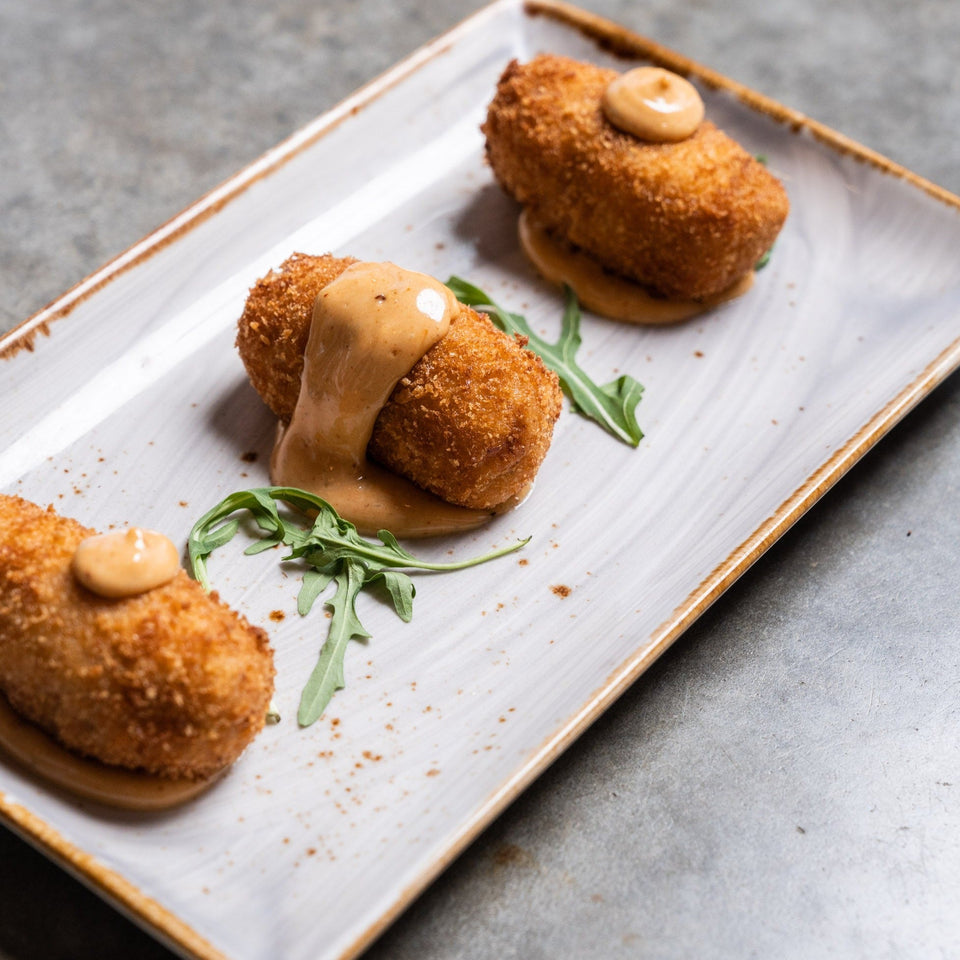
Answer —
786 781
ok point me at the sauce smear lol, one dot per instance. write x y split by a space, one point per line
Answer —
370 326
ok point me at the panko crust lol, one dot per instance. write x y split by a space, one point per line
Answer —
273 329
686 219
471 422
171 682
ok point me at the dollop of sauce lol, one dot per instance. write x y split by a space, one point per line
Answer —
653 104
370 326
124 563
603 292
127 789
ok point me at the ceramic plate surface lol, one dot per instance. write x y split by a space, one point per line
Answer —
132 407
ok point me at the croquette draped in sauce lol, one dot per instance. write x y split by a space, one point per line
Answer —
170 681
686 219
370 326
471 421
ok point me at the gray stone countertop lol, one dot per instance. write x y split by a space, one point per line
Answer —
728 806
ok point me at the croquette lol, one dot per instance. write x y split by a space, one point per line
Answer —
685 219
171 682
471 422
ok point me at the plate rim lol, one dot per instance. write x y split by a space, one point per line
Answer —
622 42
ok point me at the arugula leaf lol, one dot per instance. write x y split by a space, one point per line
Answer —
327 676
314 583
764 260
400 589
206 536
333 552
612 405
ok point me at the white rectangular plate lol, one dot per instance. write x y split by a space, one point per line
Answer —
132 407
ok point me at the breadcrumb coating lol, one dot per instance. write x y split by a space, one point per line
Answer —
273 330
171 682
471 422
686 219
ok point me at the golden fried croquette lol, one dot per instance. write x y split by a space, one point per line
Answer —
474 418
471 422
171 682
686 219
273 330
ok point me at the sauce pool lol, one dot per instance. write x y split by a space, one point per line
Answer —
127 789
605 293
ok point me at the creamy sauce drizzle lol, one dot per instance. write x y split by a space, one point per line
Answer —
124 563
43 756
370 326
653 104
605 293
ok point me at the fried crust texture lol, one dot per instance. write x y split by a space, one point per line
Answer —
171 682
471 422
685 219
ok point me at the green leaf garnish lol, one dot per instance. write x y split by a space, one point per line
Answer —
327 676
333 551
765 259
612 405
